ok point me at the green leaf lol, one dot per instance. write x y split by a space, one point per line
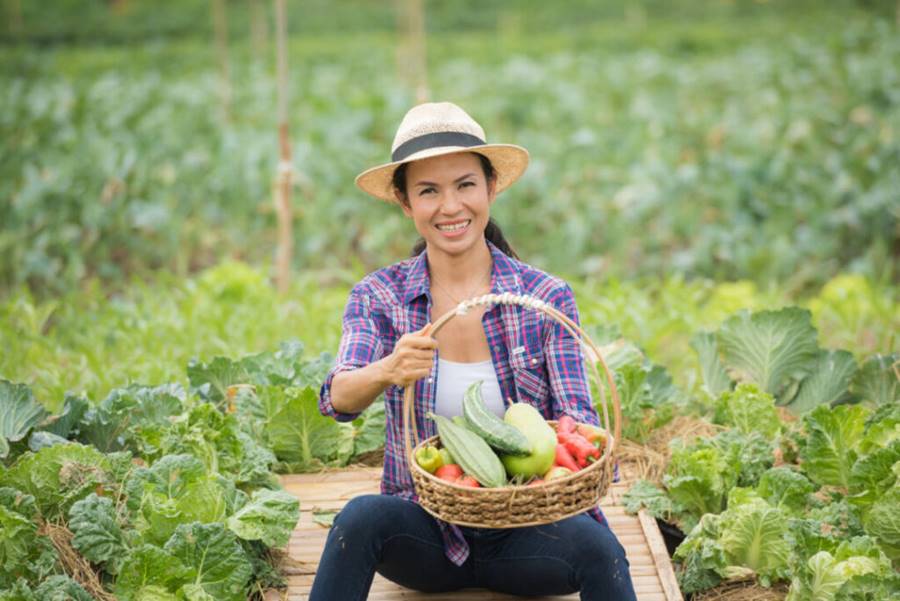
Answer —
169 476
827 384
883 522
74 408
877 380
19 413
269 516
769 348
715 378
753 535
749 410
830 450
58 476
785 488
175 490
61 588
217 563
298 433
17 501
40 439
825 573
146 571
212 380
872 475
702 561
323 517
98 536
645 494
368 429
116 423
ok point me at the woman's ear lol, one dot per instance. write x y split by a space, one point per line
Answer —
492 189
403 202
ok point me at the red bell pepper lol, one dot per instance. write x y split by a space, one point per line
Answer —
579 447
564 458
596 436
566 423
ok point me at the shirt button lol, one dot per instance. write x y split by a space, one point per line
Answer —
430 380
534 361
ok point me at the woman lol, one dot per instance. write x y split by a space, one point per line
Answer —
445 178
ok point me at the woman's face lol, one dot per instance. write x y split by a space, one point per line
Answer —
449 200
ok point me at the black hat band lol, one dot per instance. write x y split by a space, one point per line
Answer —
434 140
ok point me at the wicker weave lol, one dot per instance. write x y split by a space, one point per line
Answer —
515 506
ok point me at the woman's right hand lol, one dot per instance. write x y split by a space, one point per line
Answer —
412 358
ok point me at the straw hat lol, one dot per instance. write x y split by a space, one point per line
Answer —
438 128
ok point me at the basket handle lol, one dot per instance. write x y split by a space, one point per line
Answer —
590 351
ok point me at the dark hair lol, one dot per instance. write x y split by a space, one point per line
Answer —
492 232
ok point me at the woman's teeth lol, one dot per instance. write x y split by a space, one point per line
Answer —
454 227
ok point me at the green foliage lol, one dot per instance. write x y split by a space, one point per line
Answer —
98 536
777 351
748 410
58 476
269 516
19 413
768 348
832 437
216 562
712 138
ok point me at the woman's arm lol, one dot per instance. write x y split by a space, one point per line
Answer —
411 360
569 380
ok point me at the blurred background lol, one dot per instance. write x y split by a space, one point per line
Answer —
751 144
730 139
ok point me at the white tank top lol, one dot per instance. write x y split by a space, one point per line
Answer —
454 378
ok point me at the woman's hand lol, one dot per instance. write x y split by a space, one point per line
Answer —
412 358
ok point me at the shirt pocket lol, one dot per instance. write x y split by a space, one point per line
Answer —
530 375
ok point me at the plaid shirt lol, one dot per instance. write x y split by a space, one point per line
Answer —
536 361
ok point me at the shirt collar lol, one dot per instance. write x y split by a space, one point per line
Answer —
504 275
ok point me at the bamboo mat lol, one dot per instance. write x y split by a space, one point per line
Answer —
651 568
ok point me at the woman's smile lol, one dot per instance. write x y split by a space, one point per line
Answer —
454 229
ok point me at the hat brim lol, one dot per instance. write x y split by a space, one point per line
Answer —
509 162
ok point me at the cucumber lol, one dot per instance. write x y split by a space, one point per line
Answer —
471 453
497 433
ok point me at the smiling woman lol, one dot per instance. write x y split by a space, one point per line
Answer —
445 177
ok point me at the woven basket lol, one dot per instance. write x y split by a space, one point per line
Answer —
516 506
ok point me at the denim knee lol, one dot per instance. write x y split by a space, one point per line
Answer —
599 546
374 515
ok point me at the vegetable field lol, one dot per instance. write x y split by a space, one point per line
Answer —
718 181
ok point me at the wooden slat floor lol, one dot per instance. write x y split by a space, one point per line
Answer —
651 568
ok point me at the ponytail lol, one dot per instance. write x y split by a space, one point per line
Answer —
492 232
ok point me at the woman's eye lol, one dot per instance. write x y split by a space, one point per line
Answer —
465 184
425 191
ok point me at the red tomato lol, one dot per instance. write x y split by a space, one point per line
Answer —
467 480
450 472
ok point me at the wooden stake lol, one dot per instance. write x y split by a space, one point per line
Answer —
220 29
259 29
16 26
285 168
416 15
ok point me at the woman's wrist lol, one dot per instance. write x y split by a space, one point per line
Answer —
383 372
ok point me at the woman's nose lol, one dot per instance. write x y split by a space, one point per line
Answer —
450 203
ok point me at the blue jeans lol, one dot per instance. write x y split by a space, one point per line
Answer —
403 543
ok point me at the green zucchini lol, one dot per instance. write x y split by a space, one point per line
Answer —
497 433
472 453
